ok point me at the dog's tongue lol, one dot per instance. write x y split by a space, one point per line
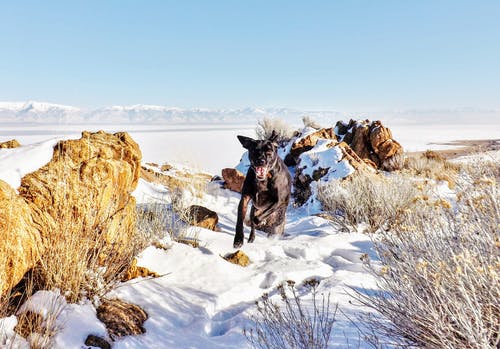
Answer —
260 171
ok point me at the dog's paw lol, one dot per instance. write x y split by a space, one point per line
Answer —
238 241
251 238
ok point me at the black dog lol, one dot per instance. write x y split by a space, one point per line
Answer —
268 185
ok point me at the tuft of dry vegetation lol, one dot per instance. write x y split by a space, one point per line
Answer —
431 165
266 126
440 274
291 324
374 200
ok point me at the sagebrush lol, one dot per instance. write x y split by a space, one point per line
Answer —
291 324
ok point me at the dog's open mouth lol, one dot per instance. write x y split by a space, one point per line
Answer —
260 171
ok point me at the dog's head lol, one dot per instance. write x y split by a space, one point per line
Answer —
262 154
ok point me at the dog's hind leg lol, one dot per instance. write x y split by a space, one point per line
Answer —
251 238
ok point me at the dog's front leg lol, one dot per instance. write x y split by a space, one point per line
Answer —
242 211
251 238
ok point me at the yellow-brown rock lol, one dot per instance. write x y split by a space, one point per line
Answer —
87 186
13 143
202 217
20 241
84 188
134 271
233 179
238 257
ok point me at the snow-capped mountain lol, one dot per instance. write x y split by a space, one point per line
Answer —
40 112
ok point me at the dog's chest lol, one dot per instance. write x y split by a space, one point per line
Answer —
264 195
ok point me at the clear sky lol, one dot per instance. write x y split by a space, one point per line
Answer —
342 55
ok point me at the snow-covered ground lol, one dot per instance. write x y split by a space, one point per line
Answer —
204 301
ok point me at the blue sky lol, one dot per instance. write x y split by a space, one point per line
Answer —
342 55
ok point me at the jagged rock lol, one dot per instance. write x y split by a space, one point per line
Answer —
233 179
307 142
135 271
202 217
238 257
21 242
97 342
85 187
121 318
13 143
372 142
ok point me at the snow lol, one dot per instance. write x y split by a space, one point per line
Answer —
201 300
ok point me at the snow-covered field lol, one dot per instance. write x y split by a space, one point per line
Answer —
203 301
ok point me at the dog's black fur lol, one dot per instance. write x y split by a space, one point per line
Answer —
267 185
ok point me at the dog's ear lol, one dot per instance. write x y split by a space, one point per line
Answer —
274 137
246 142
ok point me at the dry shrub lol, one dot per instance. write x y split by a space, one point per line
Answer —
433 166
168 215
440 276
290 324
266 126
375 200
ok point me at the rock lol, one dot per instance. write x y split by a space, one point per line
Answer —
97 342
233 179
121 318
135 271
202 217
238 258
85 187
21 242
13 143
372 142
173 178
306 143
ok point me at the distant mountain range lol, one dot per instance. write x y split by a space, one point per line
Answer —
48 113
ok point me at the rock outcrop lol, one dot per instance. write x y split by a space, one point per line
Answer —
85 187
324 154
307 142
372 142
13 143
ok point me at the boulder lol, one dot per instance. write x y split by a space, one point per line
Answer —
13 143
21 242
233 179
238 257
85 187
134 271
202 217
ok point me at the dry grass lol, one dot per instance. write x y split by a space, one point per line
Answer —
431 165
374 200
441 275
291 324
